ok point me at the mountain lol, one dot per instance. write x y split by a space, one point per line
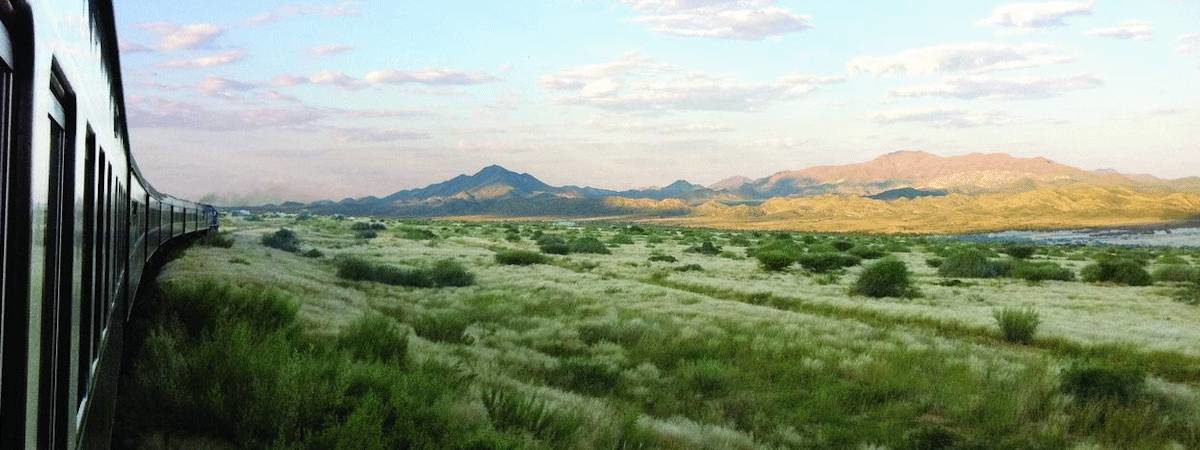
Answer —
905 191
972 173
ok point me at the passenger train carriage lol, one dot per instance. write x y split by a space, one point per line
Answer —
78 222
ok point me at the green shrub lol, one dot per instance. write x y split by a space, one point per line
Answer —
886 278
689 268
842 246
589 245
442 326
417 234
554 248
1175 273
706 377
366 234
934 262
827 262
368 226
218 240
1091 380
520 258
1117 270
312 253
1017 325
705 248
663 258
866 252
510 411
1041 271
586 376
374 338
969 263
621 239
450 273
284 239
1020 251
774 260
1172 260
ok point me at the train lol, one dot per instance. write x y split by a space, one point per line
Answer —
79 223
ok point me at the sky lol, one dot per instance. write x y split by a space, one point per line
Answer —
277 100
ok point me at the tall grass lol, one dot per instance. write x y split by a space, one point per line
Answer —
1017 325
442 273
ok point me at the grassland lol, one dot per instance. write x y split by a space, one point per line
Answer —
660 338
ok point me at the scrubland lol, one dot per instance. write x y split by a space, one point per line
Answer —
441 334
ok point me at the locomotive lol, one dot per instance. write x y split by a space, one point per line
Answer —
79 222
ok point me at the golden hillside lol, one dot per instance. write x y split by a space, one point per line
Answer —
1045 208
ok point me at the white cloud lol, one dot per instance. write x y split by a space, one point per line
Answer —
217 59
625 125
725 19
338 9
330 49
134 47
941 117
1037 15
377 135
334 78
224 87
1023 88
158 112
975 57
432 77
637 83
172 36
1136 30
1188 44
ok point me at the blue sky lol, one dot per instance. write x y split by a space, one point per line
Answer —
328 99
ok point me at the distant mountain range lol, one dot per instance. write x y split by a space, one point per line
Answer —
913 177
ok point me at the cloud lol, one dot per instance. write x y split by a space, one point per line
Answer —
751 20
173 37
431 77
1136 30
941 117
217 59
134 47
158 112
329 49
637 83
215 86
377 135
1024 88
1037 15
624 125
338 9
1188 44
975 57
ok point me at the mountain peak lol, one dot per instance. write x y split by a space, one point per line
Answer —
494 169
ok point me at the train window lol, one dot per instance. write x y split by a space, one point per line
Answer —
87 296
56 270
6 91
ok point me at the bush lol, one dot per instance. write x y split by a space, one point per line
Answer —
374 338
284 239
1042 271
621 239
520 258
589 245
689 268
866 252
934 262
842 246
312 253
418 234
663 258
1020 251
1017 325
510 411
1117 270
706 377
1091 380
970 263
450 273
827 262
774 260
1175 273
365 226
705 248
555 248
1172 260
218 240
886 278
443 273
366 234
